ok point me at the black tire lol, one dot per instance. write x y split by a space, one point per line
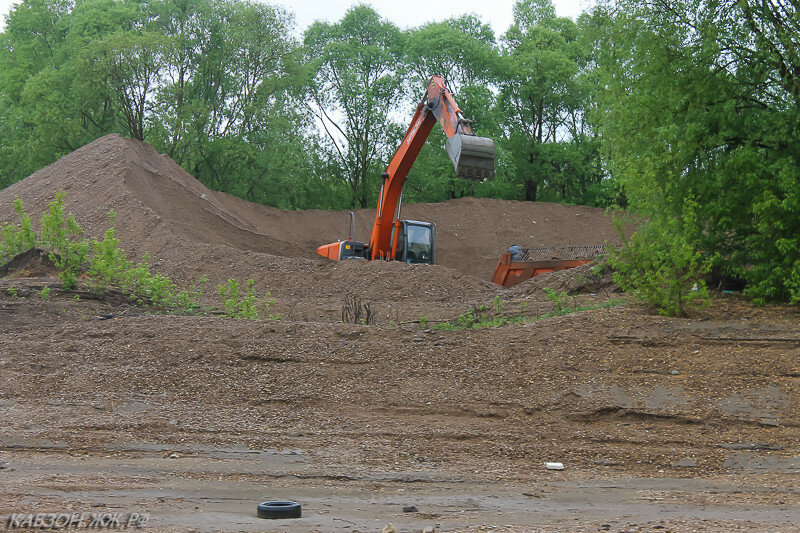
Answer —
278 509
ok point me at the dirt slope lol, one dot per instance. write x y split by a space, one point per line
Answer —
160 206
662 424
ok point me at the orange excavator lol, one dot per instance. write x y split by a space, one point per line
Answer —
414 241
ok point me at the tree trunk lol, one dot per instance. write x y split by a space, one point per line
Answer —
530 190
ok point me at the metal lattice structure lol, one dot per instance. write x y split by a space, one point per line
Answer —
559 253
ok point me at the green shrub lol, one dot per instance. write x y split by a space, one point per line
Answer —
70 262
109 264
661 264
26 236
16 239
189 299
105 263
58 230
242 302
559 300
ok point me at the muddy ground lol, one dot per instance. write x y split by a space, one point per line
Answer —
661 423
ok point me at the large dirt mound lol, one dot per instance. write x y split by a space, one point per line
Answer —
154 198
190 230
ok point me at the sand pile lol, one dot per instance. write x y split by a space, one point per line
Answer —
191 231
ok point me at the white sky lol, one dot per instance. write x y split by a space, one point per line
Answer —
404 13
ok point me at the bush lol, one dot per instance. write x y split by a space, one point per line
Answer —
241 302
661 265
105 263
559 300
17 239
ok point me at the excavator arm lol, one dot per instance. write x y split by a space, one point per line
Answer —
472 157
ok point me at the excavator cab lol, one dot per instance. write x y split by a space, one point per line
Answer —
416 241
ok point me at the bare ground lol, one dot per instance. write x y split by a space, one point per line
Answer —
662 424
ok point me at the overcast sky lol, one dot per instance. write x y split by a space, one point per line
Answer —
404 13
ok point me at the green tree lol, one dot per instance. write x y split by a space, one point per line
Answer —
229 67
463 51
544 94
700 105
130 63
356 87
42 115
206 82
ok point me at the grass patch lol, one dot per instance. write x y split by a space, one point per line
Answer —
104 265
481 317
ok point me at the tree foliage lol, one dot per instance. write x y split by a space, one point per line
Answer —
205 82
544 96
357 83
660 263
700 104
224 88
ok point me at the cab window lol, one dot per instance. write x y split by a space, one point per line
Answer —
419 248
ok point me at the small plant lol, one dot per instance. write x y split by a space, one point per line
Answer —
77 297
241 302
45 293
475 319
563 310
230 297
392 324
423 321
558 299
26 237
58 229
12 291
188 300
60 235
478 317
104 263
498 303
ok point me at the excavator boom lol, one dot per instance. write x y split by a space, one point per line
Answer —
472 157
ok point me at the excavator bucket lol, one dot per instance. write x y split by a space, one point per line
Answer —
472 157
